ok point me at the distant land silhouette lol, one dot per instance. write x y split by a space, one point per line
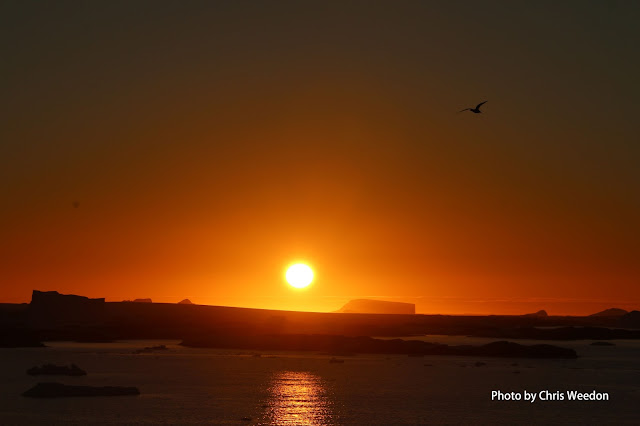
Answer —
53 316
368 306
630 320
185 302
540 313
611 312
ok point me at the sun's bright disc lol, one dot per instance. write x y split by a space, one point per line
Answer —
299 275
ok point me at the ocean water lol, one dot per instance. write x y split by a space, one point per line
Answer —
226 387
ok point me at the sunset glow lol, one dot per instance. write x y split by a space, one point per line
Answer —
200 172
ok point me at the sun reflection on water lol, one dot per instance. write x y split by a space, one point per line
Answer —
298 398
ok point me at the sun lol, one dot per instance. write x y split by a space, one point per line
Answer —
299 275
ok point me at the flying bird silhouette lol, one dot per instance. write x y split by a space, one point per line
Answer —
475 110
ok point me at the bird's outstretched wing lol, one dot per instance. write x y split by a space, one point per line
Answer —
480 104
466 109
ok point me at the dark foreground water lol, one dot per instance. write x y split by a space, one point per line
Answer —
200 386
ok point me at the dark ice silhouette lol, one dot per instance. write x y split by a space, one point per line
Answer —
57 370
362 344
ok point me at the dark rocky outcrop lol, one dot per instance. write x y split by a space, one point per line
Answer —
50 308
48 298
185 302
611 312
59 390
331 343
366 306
56 370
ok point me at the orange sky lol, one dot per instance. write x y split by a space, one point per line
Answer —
210 146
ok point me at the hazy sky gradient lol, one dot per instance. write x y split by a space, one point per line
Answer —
210 144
